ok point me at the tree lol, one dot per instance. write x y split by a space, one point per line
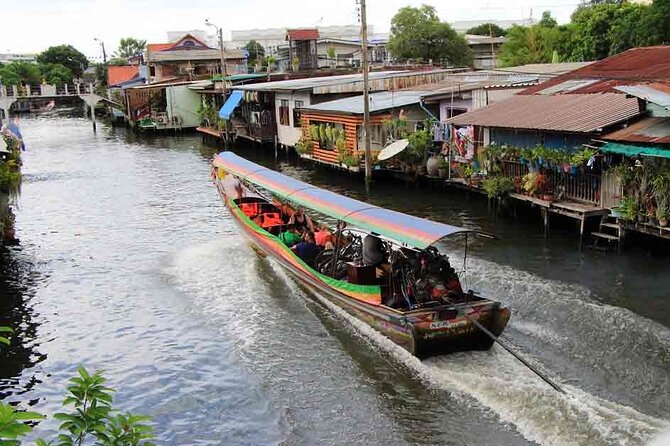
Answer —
417 33
487 29
57 74
627 29
16 73
547 20
256 52
525 45
128 47
65 55
592 26
658 23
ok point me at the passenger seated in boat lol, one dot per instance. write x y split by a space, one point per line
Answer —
290 237
307 250
373 250
299 218
323 236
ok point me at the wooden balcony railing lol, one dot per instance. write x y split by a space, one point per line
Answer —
582 187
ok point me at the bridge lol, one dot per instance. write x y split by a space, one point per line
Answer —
11 94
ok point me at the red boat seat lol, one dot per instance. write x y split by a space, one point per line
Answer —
250 209
271 219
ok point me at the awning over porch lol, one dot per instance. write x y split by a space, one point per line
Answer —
232 102
635 150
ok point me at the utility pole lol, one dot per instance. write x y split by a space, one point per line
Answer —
366 98
224 73
104 53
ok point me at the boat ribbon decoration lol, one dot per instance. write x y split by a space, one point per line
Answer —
406 229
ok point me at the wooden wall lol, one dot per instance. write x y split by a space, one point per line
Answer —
349 122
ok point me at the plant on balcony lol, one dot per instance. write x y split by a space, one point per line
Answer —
628 207
581 157
314 133
396 128
498 186
351 160
535 184
304 146
661 188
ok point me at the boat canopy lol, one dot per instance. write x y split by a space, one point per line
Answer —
413 231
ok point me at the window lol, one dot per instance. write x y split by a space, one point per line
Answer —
284 112
296 114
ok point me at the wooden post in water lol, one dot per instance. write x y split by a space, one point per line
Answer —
366 98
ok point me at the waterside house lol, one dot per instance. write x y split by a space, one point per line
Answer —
268 110
334 129
189 58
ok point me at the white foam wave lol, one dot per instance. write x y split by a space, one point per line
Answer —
497 382
492 380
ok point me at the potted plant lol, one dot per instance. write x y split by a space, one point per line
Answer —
442 167
498 186
662 214
304 147
628 208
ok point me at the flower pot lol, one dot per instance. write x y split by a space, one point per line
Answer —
573 170
442 173
431 166
616 213
566 168
663 222
548 197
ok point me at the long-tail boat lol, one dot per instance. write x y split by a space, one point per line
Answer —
414 298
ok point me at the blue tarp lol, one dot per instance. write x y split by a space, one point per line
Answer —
232 102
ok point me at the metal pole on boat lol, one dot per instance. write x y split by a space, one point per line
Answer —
516 355
366 98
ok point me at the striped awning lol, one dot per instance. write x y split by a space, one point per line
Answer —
412 231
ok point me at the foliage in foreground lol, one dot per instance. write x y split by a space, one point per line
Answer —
91 420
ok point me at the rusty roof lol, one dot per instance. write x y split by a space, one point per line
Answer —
117 74
158 46
649 130
302 34
631 67
574 113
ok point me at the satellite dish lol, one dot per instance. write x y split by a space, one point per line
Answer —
393 149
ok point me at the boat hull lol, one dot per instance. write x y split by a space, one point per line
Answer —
423 332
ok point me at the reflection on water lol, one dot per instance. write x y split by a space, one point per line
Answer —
129 263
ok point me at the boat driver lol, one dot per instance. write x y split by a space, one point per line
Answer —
373 250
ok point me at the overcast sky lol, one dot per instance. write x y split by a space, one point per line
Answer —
33 25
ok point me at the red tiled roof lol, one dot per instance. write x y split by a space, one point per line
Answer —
118 74
302 34
159 46
628 68
649 130
574 113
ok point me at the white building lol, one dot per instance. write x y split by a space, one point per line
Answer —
271 38
17 57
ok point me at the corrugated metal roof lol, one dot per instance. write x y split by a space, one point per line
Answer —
562 113
628 68
648 93
378 102
546 68
650 130
323 81
181 55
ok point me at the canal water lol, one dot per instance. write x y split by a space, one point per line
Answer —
129 263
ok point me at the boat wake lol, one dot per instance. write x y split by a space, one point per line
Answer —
545 314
